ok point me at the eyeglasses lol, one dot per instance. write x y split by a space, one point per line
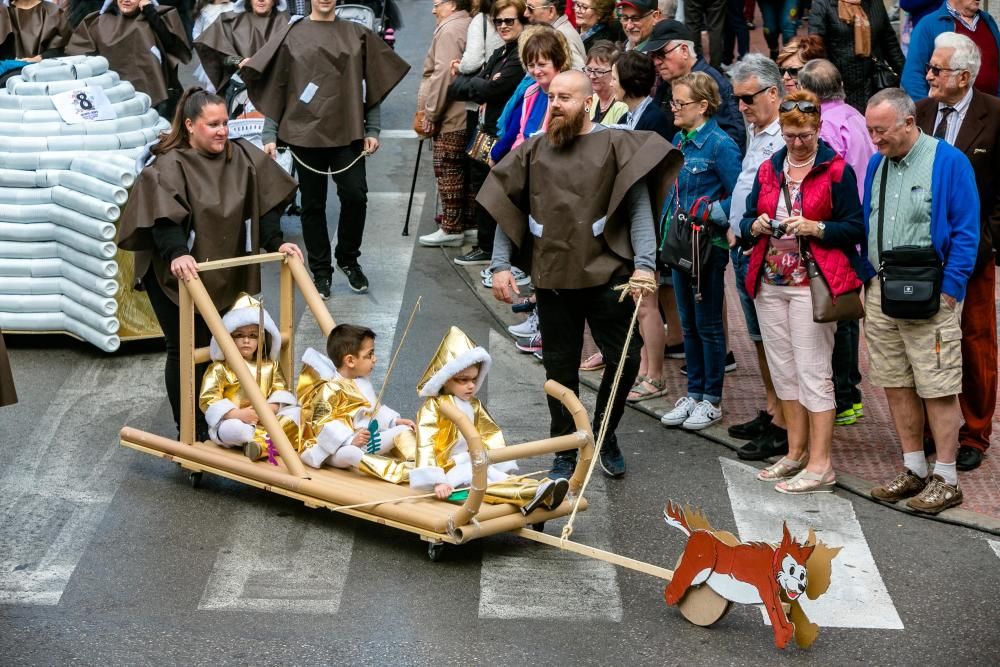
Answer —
802 105
638 18
748 99
598 73
580 7
936 71
805 137
438 4
534 8
790 71
674 104
662 53
499 22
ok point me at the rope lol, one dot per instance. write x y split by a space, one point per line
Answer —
323 172
645 286
395 355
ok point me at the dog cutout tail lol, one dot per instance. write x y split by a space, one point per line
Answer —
674 516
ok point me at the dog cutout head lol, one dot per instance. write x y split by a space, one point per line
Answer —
790 565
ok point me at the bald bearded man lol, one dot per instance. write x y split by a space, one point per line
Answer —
581 222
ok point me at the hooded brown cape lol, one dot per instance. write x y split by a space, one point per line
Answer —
7 394
329 61
127 42
237 34
561 194
39 31
212 198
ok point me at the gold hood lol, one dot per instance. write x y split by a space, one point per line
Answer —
455 353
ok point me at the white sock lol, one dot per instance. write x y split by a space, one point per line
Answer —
916 462
947 471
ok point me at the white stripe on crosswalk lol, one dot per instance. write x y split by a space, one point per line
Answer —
520 580
57 489
857 597
995 546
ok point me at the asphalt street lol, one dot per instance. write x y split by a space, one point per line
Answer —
108 556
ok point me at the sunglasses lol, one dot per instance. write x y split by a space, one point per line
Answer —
504 22
936 71
534 8
790 71
662 53
748 99
632 19
801 105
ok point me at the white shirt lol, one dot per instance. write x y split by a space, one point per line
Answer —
760 146
955 119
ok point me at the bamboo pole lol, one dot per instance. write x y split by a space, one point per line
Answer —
572 403
245 260
187 362
537 447
286 316
479 459
510 522
312 297
269 420
598 554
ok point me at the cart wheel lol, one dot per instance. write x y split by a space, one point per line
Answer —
702 606
194 477
435 551
540 526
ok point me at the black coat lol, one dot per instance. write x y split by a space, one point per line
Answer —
858 73
492 86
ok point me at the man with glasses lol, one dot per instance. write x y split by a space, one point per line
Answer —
969 120
637 18
919 192
966 18
553 14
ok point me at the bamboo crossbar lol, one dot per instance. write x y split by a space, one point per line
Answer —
538 447
245 260
598 554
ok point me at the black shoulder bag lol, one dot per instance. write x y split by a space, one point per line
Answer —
687 244
909 276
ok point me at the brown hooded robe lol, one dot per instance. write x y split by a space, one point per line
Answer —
234 34
7 394
26 33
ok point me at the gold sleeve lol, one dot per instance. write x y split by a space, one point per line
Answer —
213 385
277 379
428 417
490 433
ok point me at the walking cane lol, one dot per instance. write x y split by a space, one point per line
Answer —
413 187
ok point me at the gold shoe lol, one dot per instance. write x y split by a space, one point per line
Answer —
783 469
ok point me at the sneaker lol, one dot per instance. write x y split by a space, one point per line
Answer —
356 278
538 355
905 485
474 258
859 410
730 362
485 273
754 428
773 443
542 494
534 344
441 239
682 410
846 417
704 415
936 497
674 351
520 277
611 460
323 287
525 329
563 465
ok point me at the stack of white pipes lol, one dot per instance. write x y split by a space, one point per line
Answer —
62 189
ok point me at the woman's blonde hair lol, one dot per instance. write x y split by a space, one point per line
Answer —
798 118
703 89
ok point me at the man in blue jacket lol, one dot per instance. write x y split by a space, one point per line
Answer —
921 192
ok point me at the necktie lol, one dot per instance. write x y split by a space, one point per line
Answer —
942 127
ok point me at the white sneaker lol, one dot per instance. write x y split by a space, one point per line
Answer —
471 235
520 277
485 273
681 412
527 328
704 415
440 239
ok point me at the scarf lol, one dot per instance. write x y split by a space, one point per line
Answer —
852 13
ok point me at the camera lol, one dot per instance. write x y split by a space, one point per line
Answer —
778 229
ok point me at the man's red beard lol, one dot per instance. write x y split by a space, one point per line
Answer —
564 129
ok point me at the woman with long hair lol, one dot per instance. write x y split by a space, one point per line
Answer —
202 197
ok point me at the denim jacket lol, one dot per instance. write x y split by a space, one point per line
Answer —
712 164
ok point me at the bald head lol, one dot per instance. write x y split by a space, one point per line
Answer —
572 81
822 78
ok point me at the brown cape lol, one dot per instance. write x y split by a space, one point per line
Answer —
238 34
7 394
25 33
566 191
127 43
211 198
329 60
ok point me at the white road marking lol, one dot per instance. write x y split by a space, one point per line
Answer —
519 580
260 568
57 488
857 597
995 546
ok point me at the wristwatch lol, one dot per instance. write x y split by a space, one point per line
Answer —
821 226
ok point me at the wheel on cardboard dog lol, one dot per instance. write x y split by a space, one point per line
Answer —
194 478
435 551
702 606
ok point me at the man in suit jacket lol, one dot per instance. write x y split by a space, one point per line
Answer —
970 121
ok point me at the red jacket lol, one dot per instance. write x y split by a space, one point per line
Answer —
829 194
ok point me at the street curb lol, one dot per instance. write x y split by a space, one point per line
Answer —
717 434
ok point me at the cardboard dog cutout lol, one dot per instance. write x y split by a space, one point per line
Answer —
775 576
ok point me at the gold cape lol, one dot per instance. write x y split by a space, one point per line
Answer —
437 435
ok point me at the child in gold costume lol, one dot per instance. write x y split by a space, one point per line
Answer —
232 422
337 398
456 374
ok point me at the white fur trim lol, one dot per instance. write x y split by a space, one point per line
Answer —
282 398
477 355
425 479
460 475
333 436
322 363
217 411
292 412
241 317
314 457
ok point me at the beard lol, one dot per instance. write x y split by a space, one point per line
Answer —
564 129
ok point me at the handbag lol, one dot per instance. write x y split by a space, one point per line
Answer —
909 276
480 145
884 75
687 245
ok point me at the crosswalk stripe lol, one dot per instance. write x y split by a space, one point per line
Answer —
995 546
56 491
519 580
857 597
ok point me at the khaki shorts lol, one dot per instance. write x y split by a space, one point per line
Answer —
923 354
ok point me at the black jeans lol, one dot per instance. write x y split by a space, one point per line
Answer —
168 315
736 33
846 374
485 224
352 189
561 316
711 15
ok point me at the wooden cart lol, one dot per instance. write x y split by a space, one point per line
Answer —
439 523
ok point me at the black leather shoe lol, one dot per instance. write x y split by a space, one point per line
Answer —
969 458
772 443
754 428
